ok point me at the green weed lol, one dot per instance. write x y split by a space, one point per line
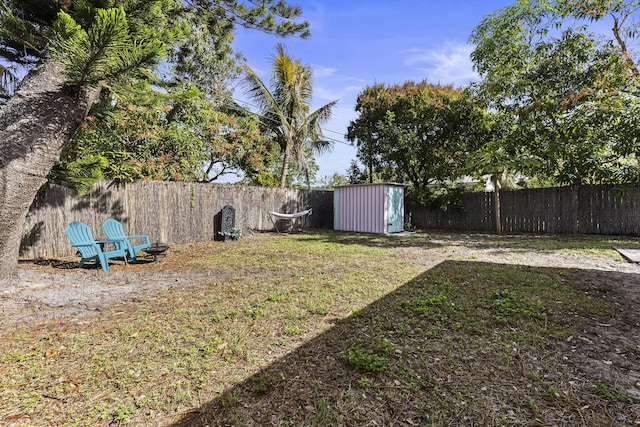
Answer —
609 393
437 307
372 357
398 333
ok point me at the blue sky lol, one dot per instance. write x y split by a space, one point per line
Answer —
356 43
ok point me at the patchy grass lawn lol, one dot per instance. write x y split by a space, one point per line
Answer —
333 329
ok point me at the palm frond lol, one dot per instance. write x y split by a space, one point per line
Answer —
318 144
258 92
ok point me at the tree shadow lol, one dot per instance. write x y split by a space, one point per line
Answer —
61 264
433 353
481 241
31 238
54 198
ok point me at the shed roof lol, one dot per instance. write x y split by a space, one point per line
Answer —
371 184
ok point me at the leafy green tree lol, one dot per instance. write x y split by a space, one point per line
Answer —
180 136
285 110
421 133
330 182
75 49
498 159
238 146
623 18
571 93
371 107
356 175
296 176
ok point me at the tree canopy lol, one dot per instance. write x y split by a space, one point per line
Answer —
177 136
76 52
418 133
163 139
570 95
103 35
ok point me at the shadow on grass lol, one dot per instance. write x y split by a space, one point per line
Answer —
462 344
513 242
65 264
423 240
59 263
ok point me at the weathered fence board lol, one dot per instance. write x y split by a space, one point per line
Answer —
477 214
169 212
600 209
172 212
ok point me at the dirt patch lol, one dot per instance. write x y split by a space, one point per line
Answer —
55 291
51 293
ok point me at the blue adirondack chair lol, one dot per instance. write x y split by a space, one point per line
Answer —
90 249
114 230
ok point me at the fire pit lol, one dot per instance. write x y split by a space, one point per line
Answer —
156 249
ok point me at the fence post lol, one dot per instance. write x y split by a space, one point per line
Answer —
496 202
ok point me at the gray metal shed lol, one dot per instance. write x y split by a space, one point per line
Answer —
369 208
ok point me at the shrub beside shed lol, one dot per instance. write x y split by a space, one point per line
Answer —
369 208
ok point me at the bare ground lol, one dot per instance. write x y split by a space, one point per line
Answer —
57 291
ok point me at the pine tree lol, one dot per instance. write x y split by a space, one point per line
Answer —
74 50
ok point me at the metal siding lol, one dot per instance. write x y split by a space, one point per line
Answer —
380 226
368 208
364 211
351 211
347 208
344 214
385 210
402 208
362 208
356 213
365 200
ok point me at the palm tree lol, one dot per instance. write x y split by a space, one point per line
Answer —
285 111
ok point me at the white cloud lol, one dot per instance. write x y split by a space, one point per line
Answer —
335 92
320 71
447 64
358 80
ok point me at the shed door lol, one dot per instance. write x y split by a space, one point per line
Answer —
395 209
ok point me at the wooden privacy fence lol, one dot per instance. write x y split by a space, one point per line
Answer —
169 212
173 212
600 209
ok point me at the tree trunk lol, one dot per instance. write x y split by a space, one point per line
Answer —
496 202
35 125
285 166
